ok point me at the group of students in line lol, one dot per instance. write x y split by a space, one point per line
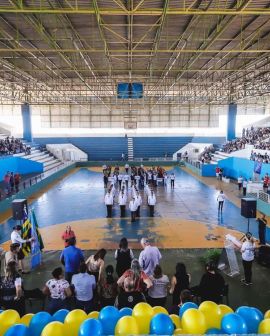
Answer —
120 196
11 182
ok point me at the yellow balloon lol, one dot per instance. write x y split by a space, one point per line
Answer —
54 329
176 321
7 319
193 321
211 313
179 331
264 327
94 315
159 309
127 325
73 321
267 314
26 319
224 310
143 313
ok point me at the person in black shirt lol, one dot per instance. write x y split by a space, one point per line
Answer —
211 285
185 296
179 282
123 257
262 229
129 297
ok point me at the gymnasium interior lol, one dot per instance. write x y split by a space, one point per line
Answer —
163 100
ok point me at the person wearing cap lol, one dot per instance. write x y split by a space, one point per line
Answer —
149 257
16 238
248 251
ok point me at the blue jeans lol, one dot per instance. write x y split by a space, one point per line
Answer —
56 304
87 306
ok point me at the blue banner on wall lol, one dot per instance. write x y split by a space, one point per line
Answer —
257 167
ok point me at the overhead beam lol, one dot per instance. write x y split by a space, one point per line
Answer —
141 12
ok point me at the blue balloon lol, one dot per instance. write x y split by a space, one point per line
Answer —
233 323
252 317
108 317
125 312
161 324
60 315
38 322
17 330
187 306
91 327
1 311
214 331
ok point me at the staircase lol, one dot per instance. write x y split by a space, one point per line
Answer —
218 155
130 149
45 157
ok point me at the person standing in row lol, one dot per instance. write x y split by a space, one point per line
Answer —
262 222
247 250
17 179
133 206
139 203
220 199
172 180
152 202
123 256
122 200
149 257
108 200
240 182
245 183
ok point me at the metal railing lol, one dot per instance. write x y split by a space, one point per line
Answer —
261 195
34 180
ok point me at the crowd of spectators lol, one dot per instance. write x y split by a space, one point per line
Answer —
206 155
265 158
11 146
253 136
90 284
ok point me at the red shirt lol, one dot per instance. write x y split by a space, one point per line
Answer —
67 235
139 284
217 170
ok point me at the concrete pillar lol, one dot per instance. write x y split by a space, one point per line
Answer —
27 124
232 111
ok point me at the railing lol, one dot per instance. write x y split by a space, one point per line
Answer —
154 159
261 195
35 179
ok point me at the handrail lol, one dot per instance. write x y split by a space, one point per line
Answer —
35 179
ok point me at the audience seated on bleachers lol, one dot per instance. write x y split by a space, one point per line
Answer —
11 145
252 136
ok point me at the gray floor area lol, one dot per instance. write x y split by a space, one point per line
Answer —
257 295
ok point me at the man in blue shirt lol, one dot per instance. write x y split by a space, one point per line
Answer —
71 257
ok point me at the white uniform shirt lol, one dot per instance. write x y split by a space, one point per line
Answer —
247 251
16 238
152 199
147 190
139 200
133 205
108 199
122 199
120 177
221 198
240 179
245 184
126 177
172 177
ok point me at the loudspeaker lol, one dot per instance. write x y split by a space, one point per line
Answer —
248 207
18 208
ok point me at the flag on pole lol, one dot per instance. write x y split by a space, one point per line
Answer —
26 232
37 243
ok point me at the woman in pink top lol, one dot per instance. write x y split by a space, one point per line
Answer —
67 235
